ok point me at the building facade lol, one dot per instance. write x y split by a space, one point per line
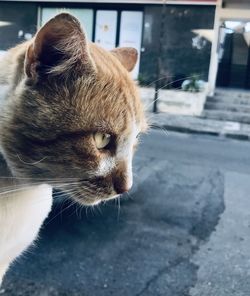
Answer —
173 38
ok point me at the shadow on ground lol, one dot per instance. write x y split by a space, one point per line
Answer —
145 249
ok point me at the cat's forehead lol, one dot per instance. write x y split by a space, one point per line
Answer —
121 121
121 127
111 107
107 101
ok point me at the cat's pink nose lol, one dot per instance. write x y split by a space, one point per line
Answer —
121 187
122 179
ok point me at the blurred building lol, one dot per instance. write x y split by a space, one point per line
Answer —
230 58
173 39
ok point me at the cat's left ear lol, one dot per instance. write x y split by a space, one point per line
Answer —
60 47
127 56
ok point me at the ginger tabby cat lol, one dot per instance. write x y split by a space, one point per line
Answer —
70 120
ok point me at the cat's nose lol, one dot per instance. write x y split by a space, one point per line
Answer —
121 187
122 179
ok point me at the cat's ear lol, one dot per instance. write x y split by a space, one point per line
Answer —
60 47
127 56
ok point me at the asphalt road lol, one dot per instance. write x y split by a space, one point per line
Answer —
183 231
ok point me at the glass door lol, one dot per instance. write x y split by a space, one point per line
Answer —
106 28
85 16
131 34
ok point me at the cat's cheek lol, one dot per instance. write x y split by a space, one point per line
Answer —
105 166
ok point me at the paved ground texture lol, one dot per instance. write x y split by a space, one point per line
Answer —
183 231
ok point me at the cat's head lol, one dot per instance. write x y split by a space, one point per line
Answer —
75 116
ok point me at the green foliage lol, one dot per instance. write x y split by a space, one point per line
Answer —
193 84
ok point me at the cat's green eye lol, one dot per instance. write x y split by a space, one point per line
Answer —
101 140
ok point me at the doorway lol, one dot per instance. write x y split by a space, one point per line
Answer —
234 55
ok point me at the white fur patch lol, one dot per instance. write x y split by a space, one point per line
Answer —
125 153
21 216
4 89
106 166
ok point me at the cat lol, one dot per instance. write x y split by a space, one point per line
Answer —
70 120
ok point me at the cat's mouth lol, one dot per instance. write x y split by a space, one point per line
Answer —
87 200
97 201
89 193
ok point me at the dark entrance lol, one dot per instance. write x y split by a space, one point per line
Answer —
234 63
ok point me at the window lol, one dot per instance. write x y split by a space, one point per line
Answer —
85 16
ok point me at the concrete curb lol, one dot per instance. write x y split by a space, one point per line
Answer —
201 126
220 134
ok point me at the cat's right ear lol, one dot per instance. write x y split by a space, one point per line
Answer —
60 47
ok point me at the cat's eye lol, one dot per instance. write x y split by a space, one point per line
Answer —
101 140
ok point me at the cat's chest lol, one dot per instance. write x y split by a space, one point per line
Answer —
4 90
21 216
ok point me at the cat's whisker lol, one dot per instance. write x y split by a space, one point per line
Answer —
74 211
154 81
27 185
39 201
55 216
98 208
12 183
64 186
69 195
119 207
159 79
62 206
76 195
38 178
62 181
13 190
14 186
78 214
30 163
167 77
130 196
135 175
81 209
92 210
161 128
164 86
86 212
170 83
64 193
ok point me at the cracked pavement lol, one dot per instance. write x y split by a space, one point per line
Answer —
182 231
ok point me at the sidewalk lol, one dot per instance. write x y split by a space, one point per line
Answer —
199 125
188 123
